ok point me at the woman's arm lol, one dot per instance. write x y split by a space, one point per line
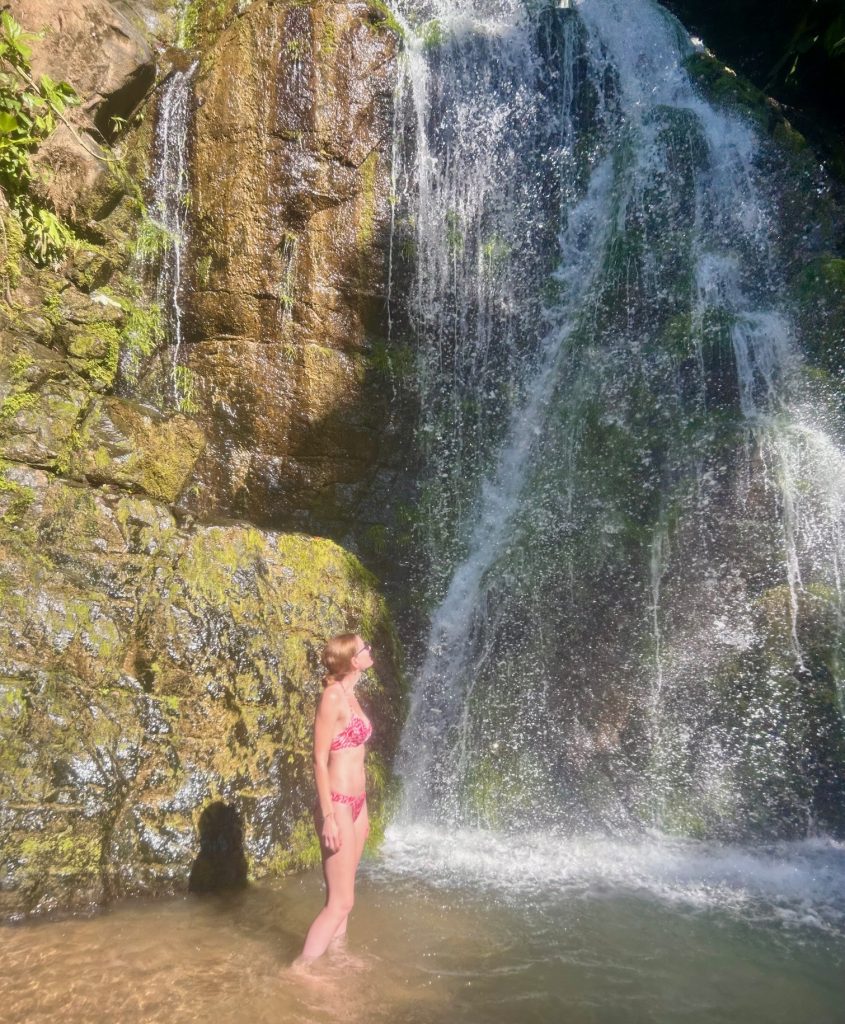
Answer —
328 713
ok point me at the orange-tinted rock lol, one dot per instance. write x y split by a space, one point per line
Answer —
290 218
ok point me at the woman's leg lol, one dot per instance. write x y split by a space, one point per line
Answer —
362 830
339 871
361 827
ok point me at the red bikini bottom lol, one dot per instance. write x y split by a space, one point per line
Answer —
355 802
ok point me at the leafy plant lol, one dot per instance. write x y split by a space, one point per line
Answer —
183 387
152 240
29 113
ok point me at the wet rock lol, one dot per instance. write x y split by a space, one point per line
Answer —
121 442
41 400
148 671
290 220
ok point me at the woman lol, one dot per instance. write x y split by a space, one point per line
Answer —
340 731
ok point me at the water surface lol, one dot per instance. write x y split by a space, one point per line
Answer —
471 928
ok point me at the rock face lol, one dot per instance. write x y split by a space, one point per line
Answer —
290 220
96 48
148 673
158 675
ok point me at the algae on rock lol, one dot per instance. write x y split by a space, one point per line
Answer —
147 671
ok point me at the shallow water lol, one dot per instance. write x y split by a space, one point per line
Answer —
465 927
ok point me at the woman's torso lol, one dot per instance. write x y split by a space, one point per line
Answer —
346 757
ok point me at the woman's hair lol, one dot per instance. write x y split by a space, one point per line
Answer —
337 656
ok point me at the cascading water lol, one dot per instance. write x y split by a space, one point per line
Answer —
170 205
632 493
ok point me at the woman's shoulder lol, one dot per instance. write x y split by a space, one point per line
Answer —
331 696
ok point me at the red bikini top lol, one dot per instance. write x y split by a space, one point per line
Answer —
357 732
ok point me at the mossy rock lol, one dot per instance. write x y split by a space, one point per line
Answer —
166 670
819 289
41 400
132 446
724 86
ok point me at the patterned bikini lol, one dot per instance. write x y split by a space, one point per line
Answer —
356 733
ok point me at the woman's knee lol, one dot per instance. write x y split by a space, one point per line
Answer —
342 905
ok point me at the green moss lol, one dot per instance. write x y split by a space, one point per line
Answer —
497 786
302 850
65 456
383 793
21 365
454 232
63 853
14 246
15 498
431 34
142 334
396 361
94 351
723 85
204 271
15 403
494 254
200 18
328 37
383 19
819 289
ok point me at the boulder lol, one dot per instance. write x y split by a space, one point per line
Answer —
150 674
41 401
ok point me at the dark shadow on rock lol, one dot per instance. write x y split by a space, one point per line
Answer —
221 862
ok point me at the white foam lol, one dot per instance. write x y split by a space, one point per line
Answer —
798 883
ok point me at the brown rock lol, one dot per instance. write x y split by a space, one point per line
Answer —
123 443
148 673
290 219
69 167
95 48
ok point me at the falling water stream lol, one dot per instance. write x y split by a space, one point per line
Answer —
170 207
620 788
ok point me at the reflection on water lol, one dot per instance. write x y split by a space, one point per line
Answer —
433 940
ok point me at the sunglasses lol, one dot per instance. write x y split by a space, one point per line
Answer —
366 647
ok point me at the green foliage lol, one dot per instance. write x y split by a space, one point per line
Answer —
821 26
383 18
152 240
29 112
183 387
142 333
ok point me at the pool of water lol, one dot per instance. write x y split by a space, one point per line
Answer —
468 927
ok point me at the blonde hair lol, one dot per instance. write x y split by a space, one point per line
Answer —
337 656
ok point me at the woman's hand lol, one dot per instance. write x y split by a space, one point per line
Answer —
331 833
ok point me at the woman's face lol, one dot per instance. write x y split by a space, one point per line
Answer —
363 658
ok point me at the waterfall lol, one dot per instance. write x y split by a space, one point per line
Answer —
631 501
170 207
